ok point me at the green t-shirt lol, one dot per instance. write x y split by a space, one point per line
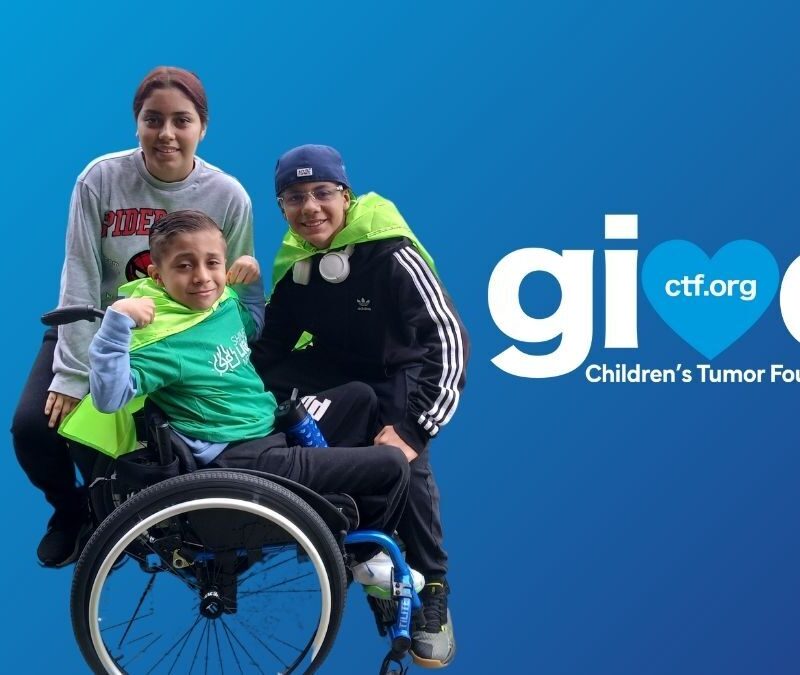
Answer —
203 380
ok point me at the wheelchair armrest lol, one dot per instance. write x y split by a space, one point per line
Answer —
164 439
182 452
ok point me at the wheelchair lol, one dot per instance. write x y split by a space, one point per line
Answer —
216 570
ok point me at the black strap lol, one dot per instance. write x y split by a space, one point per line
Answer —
392 658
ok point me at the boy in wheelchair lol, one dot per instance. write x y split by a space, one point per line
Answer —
180 337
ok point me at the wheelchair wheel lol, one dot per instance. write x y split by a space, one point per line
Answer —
226 572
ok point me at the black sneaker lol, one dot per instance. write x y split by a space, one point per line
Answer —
65 537
433 643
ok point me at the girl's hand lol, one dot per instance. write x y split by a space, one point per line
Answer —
244 270
58 406
141 310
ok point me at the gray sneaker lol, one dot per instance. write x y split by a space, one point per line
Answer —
433 645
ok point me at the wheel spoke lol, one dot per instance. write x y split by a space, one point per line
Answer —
287 581
199 644
270 567
241 644
268 591
136 611
123 623
265 645
219 650
230 644
184 641
142 651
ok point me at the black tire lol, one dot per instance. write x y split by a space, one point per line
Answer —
223 529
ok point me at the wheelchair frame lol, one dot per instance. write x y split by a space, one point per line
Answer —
202 529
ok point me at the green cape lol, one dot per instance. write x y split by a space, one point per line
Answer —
172 316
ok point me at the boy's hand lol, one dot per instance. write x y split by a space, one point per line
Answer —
57 407
388 436
141 310
244 270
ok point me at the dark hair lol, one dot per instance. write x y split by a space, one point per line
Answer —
165 77
163 231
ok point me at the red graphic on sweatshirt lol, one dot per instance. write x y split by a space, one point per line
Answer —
130 222
137 266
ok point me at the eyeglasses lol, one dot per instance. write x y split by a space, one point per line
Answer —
294 200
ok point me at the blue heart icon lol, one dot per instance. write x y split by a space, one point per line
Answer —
712 302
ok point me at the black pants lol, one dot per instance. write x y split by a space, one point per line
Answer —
47 458
376 477
420 526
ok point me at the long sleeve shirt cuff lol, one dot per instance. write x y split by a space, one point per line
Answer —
413 434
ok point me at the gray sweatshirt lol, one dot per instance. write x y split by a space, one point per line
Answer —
114 202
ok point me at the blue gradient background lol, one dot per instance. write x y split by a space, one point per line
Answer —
593 529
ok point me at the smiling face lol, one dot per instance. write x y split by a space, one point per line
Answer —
317 217
169 129
192 268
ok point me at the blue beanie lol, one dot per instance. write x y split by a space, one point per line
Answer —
309 163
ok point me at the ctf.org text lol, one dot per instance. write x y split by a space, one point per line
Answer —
695 287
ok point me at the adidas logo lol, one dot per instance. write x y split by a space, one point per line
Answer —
363 305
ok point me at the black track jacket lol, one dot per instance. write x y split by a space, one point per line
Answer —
391 313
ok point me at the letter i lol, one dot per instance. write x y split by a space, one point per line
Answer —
621 284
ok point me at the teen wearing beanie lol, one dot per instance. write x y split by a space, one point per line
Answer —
351 273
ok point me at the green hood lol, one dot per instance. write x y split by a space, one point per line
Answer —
171 316
369 218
